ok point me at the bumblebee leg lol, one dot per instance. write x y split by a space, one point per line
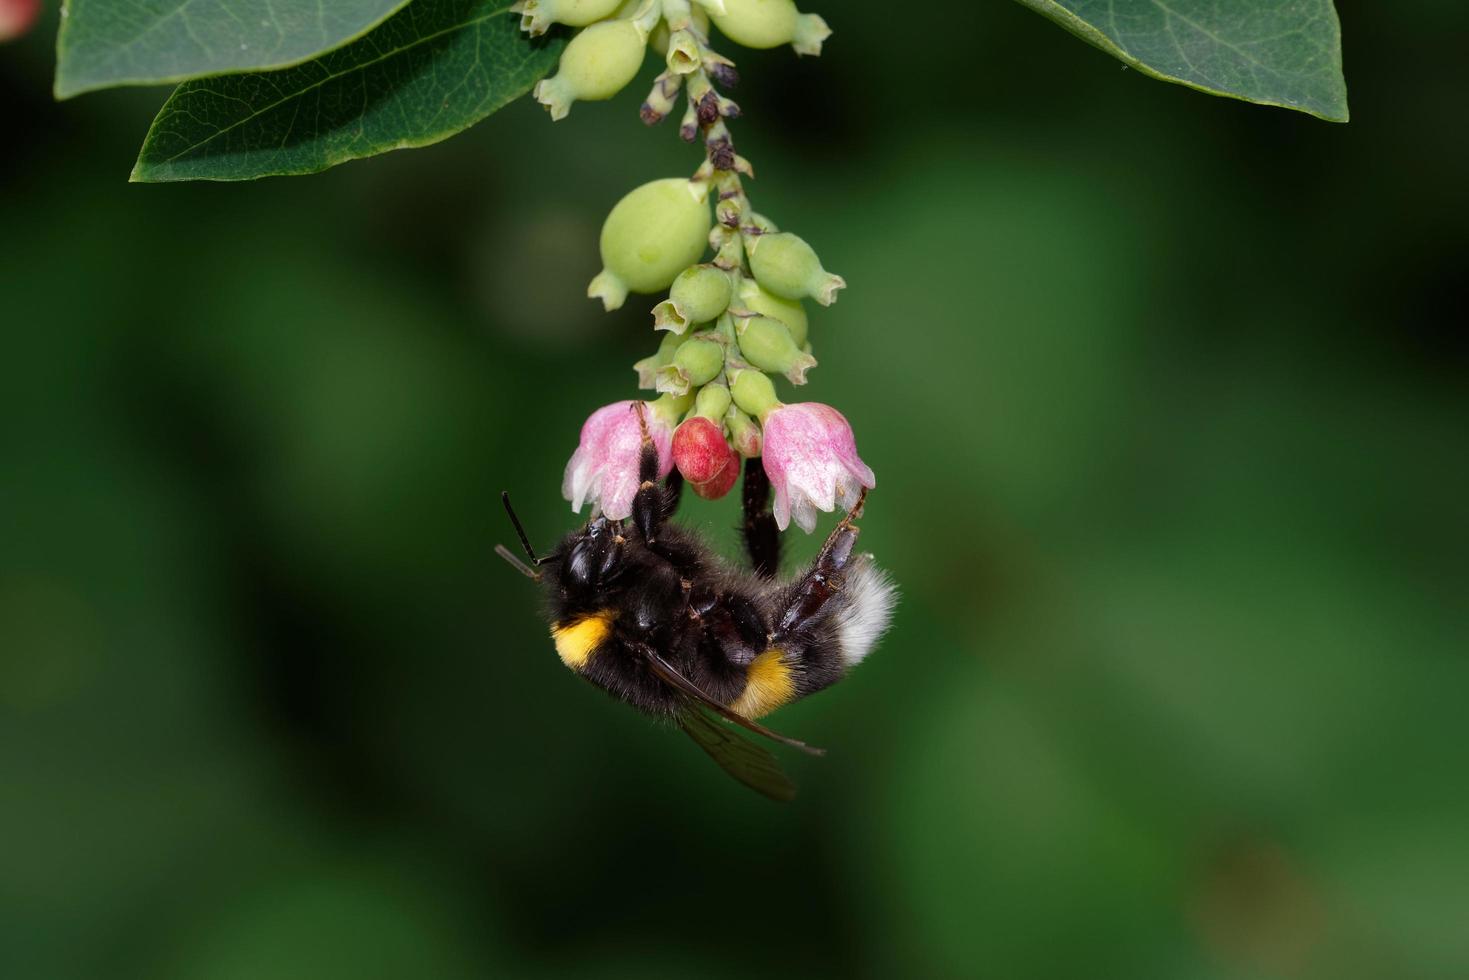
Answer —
731 624
672 493
762 537
822 581
649 506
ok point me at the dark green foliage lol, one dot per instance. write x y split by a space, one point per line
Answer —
1276 52
439 66
435 69
147 42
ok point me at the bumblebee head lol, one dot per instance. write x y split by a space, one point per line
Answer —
588 561
594 557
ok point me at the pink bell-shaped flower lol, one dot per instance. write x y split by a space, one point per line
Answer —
811 457
604 468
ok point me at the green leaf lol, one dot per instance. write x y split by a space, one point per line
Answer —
149 42
436 68
1275 52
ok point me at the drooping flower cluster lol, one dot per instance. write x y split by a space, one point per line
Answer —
729 322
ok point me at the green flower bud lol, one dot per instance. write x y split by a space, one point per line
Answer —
683 56
694 364
536 16
744 434
648 367
659 38
698 295
766 343
670 408
789 268
712 402
661 99
596 65
787 311
652 233
771 23
754 393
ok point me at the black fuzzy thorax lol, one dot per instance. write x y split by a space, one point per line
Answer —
707 617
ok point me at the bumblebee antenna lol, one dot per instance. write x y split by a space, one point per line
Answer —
519 529
516 563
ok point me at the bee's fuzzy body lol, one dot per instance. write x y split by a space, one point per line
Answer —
646 611
729 631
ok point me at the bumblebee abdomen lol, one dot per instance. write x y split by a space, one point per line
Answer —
769 683
578 638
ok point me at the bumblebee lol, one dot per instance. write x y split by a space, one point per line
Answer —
646 611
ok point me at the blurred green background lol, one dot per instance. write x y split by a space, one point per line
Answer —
1167 399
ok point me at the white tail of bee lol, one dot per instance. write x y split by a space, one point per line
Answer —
867 611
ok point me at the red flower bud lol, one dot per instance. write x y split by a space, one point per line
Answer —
704 457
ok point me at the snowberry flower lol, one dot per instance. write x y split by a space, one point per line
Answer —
604 468
811 457
704 457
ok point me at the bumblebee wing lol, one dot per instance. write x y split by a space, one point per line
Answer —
667 673
751 764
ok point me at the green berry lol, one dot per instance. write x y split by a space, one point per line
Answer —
787 311
701 360
712 402
754 393
694 364
647 368
597 64
698 295
766 343
771 23
651 234
789 268
536 16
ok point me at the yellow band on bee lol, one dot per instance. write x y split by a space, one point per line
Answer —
576 639
769 683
